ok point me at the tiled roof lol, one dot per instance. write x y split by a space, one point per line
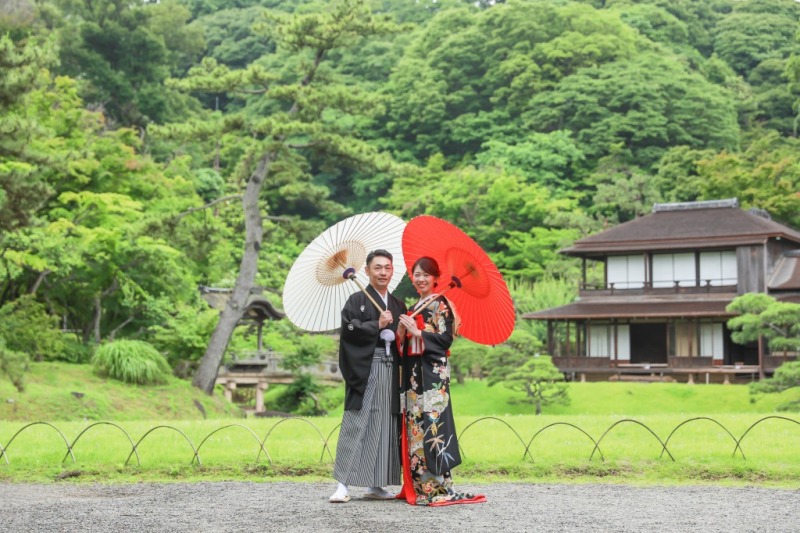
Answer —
605 309
687 229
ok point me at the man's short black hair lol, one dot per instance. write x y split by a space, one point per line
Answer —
380 252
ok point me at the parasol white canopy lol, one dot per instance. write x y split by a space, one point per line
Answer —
331 268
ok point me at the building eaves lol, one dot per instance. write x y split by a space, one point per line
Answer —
631 310
701 228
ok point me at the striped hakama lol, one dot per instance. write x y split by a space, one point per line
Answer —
367 454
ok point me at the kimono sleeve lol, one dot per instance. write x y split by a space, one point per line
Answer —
439 341
358 327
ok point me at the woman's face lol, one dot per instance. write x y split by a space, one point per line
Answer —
423 281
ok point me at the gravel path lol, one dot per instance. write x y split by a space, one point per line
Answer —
286 506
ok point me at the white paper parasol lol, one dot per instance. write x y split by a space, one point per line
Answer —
331 268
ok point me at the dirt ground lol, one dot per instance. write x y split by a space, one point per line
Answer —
287 506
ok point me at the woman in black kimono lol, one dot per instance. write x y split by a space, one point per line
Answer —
429 444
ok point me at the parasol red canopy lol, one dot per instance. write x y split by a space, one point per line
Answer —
476 287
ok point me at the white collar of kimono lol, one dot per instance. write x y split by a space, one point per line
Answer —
384 297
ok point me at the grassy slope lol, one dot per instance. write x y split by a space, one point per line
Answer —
49 396
702 449
624 399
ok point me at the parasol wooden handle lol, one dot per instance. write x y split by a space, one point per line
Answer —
350 274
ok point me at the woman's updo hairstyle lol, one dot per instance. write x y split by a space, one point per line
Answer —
428 265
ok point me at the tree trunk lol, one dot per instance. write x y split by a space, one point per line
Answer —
98 314
459 374
39 281
206 373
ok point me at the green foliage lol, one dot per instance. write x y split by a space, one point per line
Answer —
134 362
125 52
230 38
518 365
761 315
24 147
308 351
551 159
184 334
517 222
28 328
302 395
756 31
13 365
786 376
468 359
765 175
623 191
538 122
75 351
646 104
470 73
545 293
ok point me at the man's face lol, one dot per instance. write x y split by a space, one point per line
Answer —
379 272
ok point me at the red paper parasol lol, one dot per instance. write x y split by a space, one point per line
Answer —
331 268
476 287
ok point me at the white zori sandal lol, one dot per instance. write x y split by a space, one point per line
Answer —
342 495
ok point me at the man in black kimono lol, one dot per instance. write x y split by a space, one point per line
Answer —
367 454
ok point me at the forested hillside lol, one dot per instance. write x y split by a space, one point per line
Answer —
131 135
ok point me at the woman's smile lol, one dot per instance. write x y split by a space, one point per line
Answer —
423 282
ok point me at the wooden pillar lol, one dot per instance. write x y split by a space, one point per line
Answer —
230 386
583 273
669 347
260 388
550 347
568 340
588 337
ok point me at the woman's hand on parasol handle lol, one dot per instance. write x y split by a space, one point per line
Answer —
454 283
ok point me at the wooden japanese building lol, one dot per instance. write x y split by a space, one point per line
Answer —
668 279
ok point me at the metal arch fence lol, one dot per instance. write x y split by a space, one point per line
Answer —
262 443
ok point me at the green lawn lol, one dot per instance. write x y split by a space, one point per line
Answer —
61 391
605 398
628 422
560 448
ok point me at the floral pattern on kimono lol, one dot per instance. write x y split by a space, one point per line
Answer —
431 443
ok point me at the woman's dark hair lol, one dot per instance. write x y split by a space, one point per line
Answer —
428 265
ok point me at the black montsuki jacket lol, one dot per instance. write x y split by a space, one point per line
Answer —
360 336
